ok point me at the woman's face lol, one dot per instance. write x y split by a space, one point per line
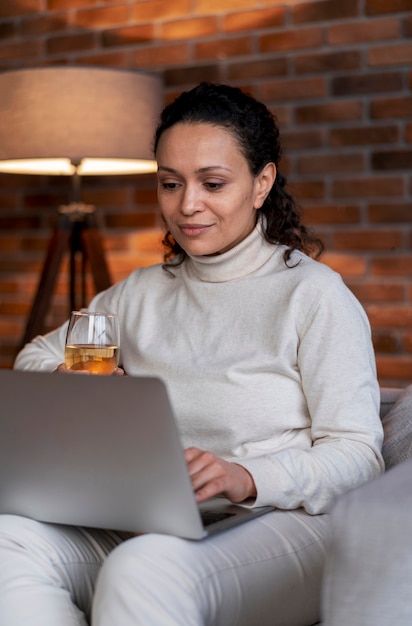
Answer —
207 195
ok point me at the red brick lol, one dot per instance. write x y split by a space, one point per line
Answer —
262 68
154 10
345 264
131 220
254 20
10 327
391 160
69 5
19 222
147 240
224 48
387 342
43 200
9 8
296 140
160 55
366 84
44 25
396 54
105 59
106 197
307 189
294 89
363 32
7 30
14 308
377 291
22 243
332 214
407 342
145 197
394 371
392 212
21 50
408 26
101 16
364 135
392 266
408 132
8 200
8 285
386 6
128 35
282 113
189 28
392 316
291 40
368 240
327 163
368 187
222 6
323 10
191 75
391 108
327 61
330 112
17 182
71 43
137 242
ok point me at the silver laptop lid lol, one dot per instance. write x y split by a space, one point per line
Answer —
94 451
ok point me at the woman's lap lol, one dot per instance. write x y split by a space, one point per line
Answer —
267 571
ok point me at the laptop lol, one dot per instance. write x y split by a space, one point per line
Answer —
100 451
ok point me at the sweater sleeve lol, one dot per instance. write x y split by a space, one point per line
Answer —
338 374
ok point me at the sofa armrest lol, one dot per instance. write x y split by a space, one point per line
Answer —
389 395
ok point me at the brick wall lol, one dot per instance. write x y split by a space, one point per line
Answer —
338 75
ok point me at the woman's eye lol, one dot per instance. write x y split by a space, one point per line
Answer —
212 186
169 186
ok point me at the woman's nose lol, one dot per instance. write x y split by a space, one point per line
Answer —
191 201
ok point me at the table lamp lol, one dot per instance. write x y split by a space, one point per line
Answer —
76 121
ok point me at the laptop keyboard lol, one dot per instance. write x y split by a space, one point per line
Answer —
211 517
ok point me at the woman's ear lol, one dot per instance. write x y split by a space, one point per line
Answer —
264 182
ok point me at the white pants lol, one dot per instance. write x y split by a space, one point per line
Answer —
267 572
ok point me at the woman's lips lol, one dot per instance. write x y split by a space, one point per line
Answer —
191 230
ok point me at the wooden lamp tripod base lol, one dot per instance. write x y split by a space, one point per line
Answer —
76 232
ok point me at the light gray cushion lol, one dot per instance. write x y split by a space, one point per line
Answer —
397 426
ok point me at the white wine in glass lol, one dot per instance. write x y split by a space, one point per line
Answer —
92 342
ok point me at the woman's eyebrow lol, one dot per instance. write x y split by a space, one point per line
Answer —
212 167
201 170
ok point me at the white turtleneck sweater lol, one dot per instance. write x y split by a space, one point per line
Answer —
269 366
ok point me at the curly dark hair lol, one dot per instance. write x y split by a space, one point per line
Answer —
255 129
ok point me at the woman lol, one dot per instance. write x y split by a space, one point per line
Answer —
270 368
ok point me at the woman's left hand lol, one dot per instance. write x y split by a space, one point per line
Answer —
211 475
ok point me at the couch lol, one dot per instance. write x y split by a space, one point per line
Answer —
389 396
368 570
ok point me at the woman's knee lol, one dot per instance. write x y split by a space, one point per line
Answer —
151 577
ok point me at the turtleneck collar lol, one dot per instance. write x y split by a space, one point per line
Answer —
245 258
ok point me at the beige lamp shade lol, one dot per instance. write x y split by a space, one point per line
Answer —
62 120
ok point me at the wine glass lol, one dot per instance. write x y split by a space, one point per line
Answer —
92 342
